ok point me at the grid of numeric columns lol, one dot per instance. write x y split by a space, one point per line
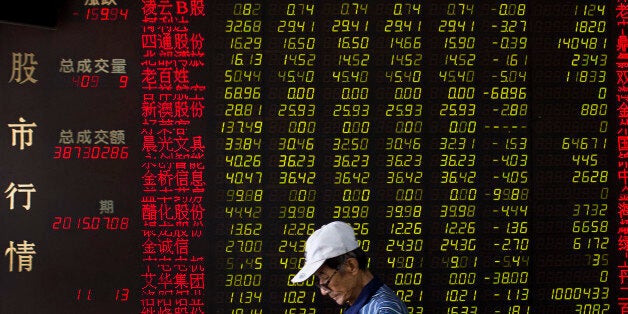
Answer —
418 123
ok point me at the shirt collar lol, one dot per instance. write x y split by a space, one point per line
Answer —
365 295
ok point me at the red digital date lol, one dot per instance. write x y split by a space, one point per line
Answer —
90 223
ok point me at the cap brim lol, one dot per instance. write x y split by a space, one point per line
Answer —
308 270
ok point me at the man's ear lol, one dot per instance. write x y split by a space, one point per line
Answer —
352 265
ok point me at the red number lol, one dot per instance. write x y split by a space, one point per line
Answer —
87 297
56 223
124 223
124 154
61 223
124 80
115 151
104 12
95 152
95 223
67 152
90 223
94 80
122 295
85 81
105 152
124 13
92 14
86 152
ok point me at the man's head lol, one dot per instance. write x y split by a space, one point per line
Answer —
329 241
333 255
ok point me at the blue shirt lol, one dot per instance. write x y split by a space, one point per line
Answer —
377 298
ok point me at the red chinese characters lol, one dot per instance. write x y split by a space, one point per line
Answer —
173 184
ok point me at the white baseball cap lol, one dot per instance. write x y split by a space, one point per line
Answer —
330 240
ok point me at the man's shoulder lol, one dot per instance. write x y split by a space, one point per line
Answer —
386 292
386 301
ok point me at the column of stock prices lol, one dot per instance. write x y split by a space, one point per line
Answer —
173 156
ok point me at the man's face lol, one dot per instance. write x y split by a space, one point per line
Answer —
338 284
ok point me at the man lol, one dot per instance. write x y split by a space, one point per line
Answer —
333 255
